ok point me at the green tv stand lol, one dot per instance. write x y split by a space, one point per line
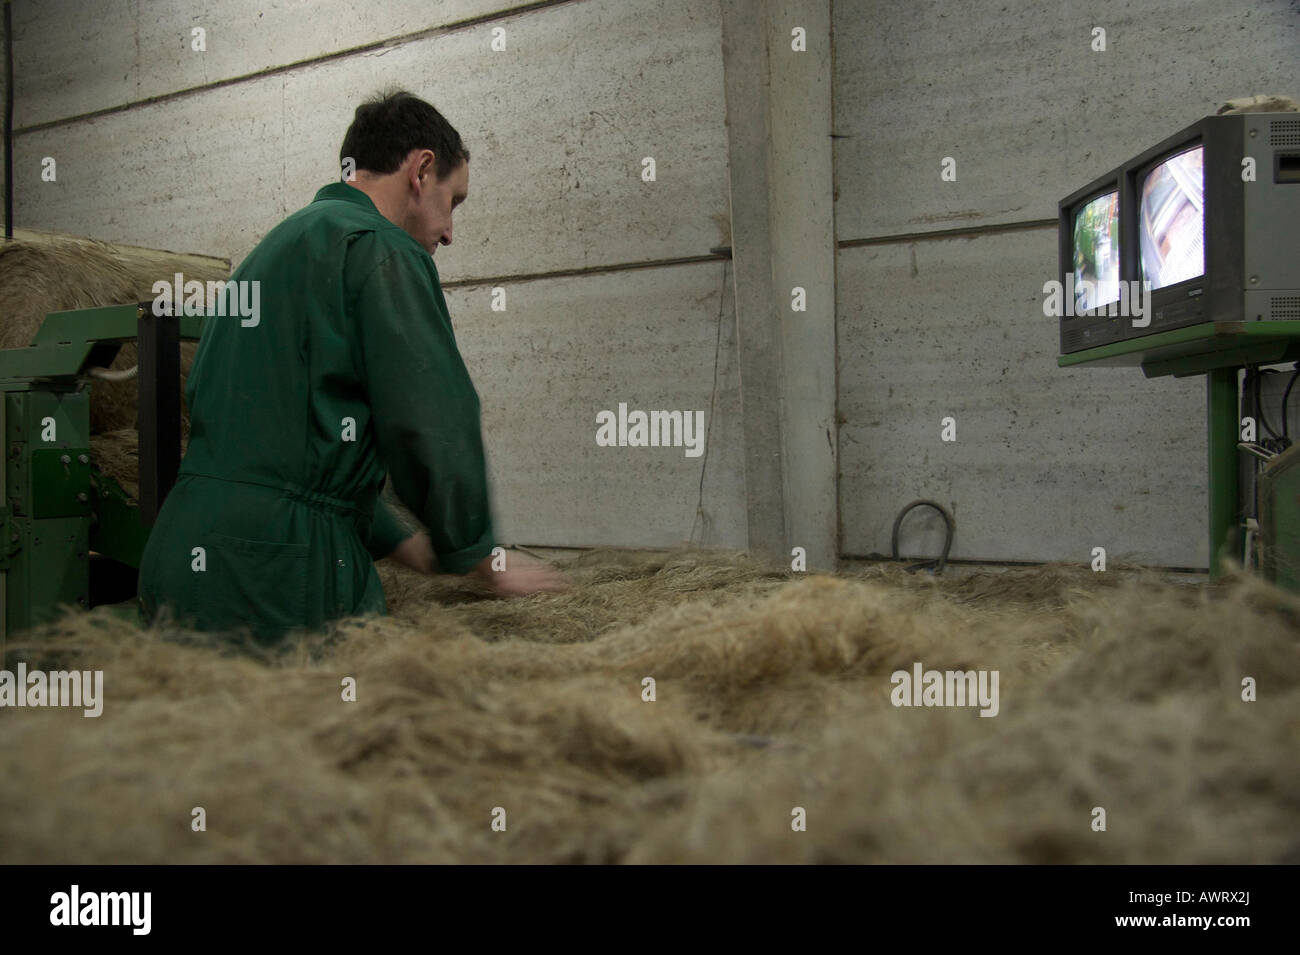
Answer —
1216 350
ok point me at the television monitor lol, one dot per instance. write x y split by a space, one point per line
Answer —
1207 219
1096 252
1091 264
1171 220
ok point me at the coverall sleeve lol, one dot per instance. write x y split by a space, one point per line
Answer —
424 409
386 531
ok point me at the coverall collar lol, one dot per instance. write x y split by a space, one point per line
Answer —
341 190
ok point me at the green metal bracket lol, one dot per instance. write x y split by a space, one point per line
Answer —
1206 346
60 482
1270 352
66 342
116 530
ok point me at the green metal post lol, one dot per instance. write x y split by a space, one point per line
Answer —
1221 418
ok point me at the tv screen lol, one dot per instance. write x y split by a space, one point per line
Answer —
1096 252
1171 223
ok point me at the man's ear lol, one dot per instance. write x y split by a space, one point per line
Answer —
412 168
426 166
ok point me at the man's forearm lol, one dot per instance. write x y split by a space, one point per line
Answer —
387 532
416 552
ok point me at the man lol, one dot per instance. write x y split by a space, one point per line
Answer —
350 369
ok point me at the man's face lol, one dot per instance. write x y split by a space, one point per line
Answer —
430 221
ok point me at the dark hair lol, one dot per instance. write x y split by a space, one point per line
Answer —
390 124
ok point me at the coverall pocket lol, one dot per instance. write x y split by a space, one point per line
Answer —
261 585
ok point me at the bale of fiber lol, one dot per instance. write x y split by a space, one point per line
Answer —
40 274
117 454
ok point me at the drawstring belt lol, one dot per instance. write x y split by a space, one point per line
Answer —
297 492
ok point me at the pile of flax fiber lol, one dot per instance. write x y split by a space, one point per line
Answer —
1120 690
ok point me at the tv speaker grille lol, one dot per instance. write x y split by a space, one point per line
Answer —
1284 132
1284 307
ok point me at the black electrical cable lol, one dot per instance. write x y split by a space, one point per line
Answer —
1286 433
948 520
1259 406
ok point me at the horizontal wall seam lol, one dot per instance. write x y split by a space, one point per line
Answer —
396 41
587 270
967 231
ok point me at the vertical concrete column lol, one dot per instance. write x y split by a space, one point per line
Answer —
777 62
758 324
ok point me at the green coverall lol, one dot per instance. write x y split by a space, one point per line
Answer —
352 368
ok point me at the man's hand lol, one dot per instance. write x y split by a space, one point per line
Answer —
520 577
415 552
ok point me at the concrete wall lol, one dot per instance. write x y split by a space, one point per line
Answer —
1047 463
556 357
557 124
613 295
161 145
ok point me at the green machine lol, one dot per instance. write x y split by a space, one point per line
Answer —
1279 519
70 536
